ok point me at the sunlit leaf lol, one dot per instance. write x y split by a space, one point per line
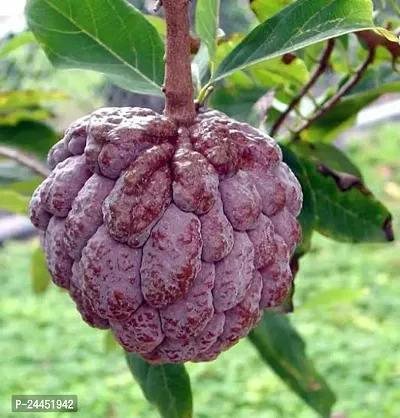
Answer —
206 23
264 9
272 73
300 24
111 37
158 23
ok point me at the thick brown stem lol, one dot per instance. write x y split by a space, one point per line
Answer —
322 66
179 104
352 82
23 159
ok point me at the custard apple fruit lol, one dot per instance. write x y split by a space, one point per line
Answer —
175 239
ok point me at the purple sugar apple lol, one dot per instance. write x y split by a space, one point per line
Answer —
175 239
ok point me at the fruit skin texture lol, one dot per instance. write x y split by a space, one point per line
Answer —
175 239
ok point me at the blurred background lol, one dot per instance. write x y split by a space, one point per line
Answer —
347 299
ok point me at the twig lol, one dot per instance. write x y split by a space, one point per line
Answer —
157 6
351 82
204 95
178 87
21 158
322 66
374 39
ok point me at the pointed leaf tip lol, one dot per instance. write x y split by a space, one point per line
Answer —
166 386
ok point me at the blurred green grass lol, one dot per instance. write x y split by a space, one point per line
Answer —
348 308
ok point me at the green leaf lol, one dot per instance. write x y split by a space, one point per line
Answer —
307 217
272 73
390 36
31 136
328 155
236 102
13 202
206 23
311 54
300 24
41 278
158 23
165 386
346 210
375 82
264 9
332 297
15 43
282 348
111 37
200 65
381 79
17 99
275 72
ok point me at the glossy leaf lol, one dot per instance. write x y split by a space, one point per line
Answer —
300 24
15 43
111 37
206 23
328 155
307 217
166 386
41 278
346 210
272 73
13 202
390 36
282 348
